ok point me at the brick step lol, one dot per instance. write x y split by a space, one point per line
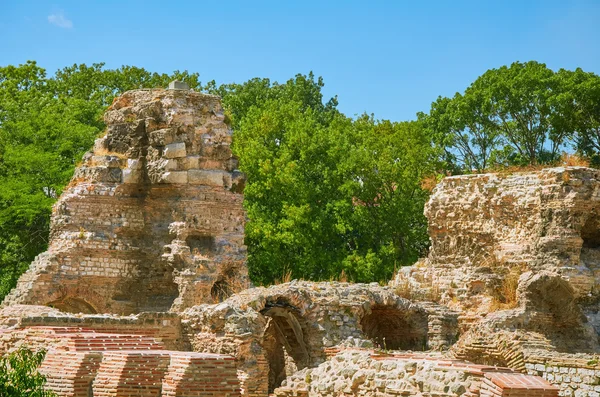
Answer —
89 340
498 384
106 342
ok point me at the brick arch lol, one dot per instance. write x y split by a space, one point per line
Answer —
284 341
76 300
73 305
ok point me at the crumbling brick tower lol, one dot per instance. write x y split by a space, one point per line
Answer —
152 219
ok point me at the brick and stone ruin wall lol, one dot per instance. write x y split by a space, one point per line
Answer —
144 289
152 219
518 256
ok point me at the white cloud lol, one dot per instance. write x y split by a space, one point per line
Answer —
60 20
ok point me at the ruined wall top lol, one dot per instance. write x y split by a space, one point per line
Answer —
543 220
152 219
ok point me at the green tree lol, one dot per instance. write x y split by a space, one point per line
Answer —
326 194
462 126
289 156
518 114
19 376
387 162
523 98
239 98
580 101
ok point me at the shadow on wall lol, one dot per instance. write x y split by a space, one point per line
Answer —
73 305
284 341
391 328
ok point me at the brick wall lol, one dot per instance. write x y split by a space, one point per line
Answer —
81 362
578 377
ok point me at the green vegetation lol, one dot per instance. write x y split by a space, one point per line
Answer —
327 195
524 114
19 376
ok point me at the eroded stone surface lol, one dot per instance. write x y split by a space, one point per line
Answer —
486 227
133 232
366 373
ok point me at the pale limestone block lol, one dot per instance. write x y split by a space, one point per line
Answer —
190 162
175 177
132 175
209 178
171 165
134 164
175 150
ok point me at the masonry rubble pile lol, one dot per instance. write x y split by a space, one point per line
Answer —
138 291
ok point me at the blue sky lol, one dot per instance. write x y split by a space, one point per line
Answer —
390 58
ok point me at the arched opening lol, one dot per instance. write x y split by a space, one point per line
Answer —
393 329
590 232
73 305
590 252
284 342
227 283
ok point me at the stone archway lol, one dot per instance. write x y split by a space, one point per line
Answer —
284 342
589 257
391 328
590 232
73 305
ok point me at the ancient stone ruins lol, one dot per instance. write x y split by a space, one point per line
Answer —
138 293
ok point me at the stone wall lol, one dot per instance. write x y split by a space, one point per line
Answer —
546 335
40 326
489 227
108 355
276 331
365 373
152 219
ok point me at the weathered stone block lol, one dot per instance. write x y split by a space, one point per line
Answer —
175 150
98 174
161 137
106 161
189 162
175 177
178 85
216 178
134 164
132 175
171 164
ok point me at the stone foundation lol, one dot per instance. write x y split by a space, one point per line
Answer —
276 331
363 372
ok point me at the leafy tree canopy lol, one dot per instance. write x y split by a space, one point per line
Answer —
520 114
19 376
